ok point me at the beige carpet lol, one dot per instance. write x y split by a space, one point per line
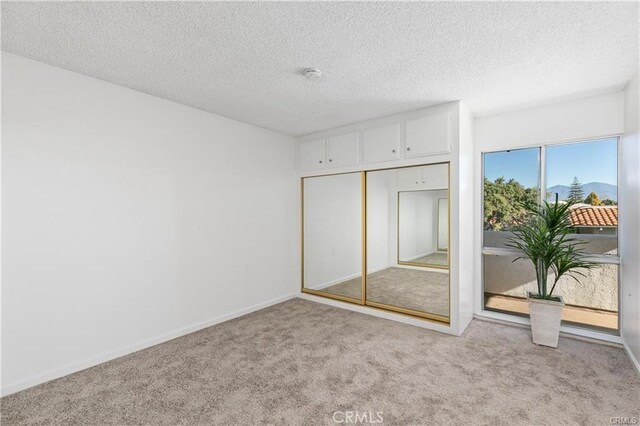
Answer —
425 291
299 362
432 259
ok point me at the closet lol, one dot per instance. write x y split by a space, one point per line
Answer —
370 240
386 212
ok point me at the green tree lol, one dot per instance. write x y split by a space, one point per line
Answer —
593 199
505 203
608 202
576 193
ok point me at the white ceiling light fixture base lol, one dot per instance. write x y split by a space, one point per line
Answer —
312 73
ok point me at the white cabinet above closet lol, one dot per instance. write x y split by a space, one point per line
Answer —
428 135
343 150
409 137
381 143
334 151
311 155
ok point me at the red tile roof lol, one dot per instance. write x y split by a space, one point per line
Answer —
585 215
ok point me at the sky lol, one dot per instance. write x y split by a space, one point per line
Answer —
594 161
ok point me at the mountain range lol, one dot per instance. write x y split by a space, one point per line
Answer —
604 190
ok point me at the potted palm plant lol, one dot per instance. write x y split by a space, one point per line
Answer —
544 239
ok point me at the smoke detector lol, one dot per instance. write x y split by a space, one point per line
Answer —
313 73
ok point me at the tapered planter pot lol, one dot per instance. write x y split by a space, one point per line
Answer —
545 320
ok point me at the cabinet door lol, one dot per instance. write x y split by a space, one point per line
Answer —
343 150
435 176
409 179
428 135
381 143
311 155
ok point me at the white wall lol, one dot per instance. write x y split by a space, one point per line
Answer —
128 220
464 223
574 120
442 227
630 220
332 229
585 118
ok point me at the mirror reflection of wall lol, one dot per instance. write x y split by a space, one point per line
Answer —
423 227
443 224
332 244
407 240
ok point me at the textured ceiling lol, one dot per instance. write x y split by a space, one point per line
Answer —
243 60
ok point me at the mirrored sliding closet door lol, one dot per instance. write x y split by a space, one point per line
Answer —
408 240
332 236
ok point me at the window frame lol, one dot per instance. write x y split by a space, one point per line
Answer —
542 191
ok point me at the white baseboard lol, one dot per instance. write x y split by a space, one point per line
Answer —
91 362
634 360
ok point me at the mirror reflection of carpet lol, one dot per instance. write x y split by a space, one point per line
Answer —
424 291
437 258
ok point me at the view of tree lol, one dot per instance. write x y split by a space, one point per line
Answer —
504 203
593 199
608 202
576 194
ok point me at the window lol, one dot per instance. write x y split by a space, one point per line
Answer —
583 173
511 180
587 174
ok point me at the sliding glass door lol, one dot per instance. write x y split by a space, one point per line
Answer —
584 174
